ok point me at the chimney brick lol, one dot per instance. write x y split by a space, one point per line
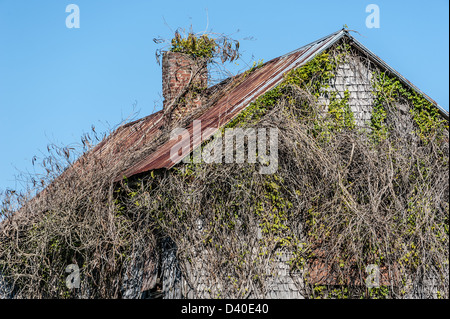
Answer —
177 69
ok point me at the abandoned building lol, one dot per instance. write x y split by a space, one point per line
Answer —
160 274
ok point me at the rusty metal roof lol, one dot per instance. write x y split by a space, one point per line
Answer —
132 135
238 98
270 74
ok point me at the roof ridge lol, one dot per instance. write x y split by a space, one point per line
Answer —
336 34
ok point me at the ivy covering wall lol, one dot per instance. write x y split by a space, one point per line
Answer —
343 197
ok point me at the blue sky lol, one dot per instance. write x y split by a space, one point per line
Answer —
56 82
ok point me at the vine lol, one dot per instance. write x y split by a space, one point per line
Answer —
388 91
206 46
314 77
336 203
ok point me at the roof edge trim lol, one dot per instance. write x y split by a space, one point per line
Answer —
398 75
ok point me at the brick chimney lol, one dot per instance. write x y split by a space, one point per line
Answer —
177 70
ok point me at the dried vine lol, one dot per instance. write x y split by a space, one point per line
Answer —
339 201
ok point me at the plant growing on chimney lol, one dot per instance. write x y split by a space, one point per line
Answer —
188 60
210 46
198 47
